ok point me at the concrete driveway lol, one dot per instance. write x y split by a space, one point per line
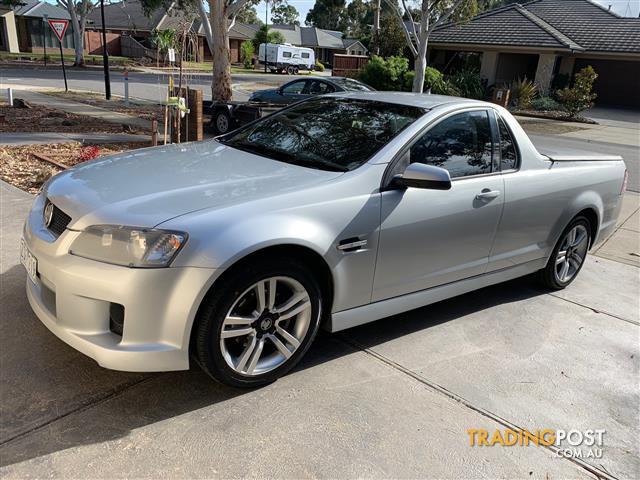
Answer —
390 399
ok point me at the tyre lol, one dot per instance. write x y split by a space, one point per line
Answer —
290 70
258 323
221 122
568 256
296 70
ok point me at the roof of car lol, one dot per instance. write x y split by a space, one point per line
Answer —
424 100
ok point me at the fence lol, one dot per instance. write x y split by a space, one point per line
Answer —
348 65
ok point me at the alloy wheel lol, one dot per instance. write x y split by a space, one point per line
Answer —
571 254
265 325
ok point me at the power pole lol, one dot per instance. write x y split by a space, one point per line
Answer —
105 55
266 27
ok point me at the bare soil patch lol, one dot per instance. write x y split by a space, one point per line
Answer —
42 119
23 166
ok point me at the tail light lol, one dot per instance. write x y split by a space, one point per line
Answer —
625 181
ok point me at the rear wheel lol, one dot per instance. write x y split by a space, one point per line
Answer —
290 70
568 255
296 70
259 324
221 122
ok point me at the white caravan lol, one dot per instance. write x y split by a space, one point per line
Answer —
286 58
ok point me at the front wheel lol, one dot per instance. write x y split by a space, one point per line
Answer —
221 122
568 255
259 324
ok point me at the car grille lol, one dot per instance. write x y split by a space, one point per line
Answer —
59 221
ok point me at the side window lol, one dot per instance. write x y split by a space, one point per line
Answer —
320 88
286 54
305 54
461 144
294 88
508 155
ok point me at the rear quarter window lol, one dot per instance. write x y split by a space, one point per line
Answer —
508 151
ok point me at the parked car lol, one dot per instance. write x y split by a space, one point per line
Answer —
286 58
300 89
334 212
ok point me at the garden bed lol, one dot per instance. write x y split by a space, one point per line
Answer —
553 115
27 168
43 119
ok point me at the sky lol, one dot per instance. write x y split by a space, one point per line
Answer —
622 7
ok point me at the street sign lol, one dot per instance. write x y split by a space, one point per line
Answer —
59 27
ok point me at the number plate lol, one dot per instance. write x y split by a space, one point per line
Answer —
29 261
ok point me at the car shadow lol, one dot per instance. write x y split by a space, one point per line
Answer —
43 380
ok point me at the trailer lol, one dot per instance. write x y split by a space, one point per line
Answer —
227 116
286 58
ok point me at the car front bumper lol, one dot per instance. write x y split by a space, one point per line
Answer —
73 296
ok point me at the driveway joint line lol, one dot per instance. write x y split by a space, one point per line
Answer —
595 310
90 404
463 401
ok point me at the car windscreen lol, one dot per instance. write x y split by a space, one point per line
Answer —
326 133
352 85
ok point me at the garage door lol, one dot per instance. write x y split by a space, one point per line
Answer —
617 82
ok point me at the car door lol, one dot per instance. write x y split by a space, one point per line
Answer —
433 237
293 92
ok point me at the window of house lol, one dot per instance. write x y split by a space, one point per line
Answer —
460 144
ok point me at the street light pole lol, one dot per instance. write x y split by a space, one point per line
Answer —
105 55
266 30
44 37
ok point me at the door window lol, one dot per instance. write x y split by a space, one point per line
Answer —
460 144
508 155
320 88
294 88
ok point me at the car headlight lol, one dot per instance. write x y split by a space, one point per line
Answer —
129 246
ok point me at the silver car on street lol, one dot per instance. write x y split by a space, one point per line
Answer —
333 212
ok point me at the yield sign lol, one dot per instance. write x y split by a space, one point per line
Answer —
59 27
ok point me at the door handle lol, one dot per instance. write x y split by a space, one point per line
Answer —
487 194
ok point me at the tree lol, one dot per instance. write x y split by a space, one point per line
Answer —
266 35
389 40
433 13
248 15
163 40
78 10
357 18
285 14
329 14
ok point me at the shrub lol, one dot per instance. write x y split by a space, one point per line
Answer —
265 35
523 91
319 66
246 54
435 83
385 74
469 84
579 97
545 104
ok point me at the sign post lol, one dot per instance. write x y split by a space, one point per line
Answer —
59 27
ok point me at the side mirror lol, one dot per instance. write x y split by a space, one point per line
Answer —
420 175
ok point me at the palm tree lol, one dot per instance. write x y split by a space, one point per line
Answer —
163 40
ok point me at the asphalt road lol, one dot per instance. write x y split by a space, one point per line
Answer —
150 86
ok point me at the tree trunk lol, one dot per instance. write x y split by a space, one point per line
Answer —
221 82
206 26
78 41
376 27
423 41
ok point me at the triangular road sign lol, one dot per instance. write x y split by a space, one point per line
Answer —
59 27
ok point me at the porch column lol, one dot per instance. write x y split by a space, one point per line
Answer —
544 72
489 66
10 32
